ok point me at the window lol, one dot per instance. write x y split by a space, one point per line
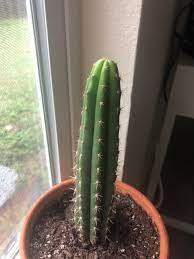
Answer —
35 115
39 105
24 163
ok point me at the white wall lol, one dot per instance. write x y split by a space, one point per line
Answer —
113 29
109 28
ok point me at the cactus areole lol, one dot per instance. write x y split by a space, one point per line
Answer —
97 152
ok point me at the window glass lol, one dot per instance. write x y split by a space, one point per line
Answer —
24 170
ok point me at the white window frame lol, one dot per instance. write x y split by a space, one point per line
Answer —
57 37
57 41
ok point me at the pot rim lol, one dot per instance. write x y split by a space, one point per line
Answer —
121 187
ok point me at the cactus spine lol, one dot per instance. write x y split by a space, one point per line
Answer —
97 151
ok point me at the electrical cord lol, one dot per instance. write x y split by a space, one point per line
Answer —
171 66
180 41
158 204
179 15
183 44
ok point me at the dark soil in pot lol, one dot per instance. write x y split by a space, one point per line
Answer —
134 235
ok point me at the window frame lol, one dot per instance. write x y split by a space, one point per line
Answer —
58 53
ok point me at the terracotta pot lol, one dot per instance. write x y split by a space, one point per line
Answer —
56 192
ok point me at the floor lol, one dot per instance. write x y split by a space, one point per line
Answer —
178 183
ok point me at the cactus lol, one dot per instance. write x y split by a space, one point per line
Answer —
97 151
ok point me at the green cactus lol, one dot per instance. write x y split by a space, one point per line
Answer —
97 151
